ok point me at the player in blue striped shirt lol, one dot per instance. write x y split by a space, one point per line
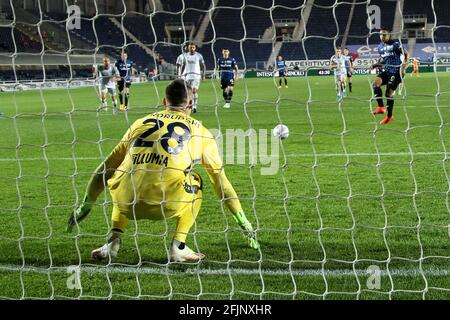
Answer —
349 67
281 67
228 69
391 52
126 69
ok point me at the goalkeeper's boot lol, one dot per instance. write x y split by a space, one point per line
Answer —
226 105
184 255
109 249
122 106
379 110
387 120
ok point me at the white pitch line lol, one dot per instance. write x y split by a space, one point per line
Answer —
293 155
271 107
232 271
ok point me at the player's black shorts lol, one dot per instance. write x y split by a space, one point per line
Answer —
226 83
349 73
122 83
391 80
281 73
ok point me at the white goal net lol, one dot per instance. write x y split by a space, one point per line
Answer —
343 208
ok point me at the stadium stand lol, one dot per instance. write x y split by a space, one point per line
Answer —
252 39
442 33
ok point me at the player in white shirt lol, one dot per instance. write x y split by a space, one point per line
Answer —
180 59
340 73
193 71
107 75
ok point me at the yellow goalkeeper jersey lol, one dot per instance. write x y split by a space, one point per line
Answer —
154 160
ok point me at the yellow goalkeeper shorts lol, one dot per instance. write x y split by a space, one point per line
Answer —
184 198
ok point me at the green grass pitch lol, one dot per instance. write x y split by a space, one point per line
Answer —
349 194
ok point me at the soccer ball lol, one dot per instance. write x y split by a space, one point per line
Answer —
281 131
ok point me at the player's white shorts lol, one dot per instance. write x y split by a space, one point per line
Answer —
340 76
107 88
194 83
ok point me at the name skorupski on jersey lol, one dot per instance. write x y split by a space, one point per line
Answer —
177 117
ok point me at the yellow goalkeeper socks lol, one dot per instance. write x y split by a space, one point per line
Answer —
119 221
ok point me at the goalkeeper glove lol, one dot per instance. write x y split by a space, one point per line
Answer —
79 213
247 228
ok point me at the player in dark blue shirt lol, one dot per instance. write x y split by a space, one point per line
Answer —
228 70
391 53
126 70
281 68
349 67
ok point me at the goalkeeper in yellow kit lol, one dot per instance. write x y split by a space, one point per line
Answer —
149 175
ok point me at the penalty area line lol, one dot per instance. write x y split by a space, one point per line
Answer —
232 271
293 155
